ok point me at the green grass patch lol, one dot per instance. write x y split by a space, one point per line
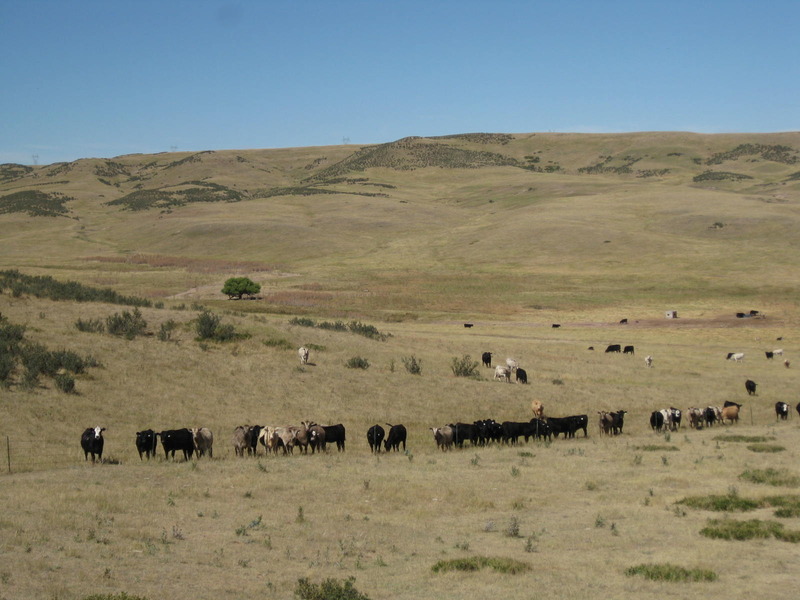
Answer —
728 529
656 448
749 439
774 477
476 563
765 448
668 572
721 503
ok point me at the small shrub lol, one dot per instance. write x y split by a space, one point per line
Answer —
465 367
727 503
667 572
765 448
357 362
65 383
329 589
166 329
728 529
206 325
90 325
279 343
412 364
126 324
513 527
476 563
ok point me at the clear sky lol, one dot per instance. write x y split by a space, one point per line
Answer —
101 78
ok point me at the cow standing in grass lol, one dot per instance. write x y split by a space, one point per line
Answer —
92 443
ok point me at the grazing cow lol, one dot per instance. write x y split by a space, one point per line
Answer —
556 325
522 376
590 348
501 372
335 433
146 443
512 364
468 325
786 363
538 409
750 386
769 355
730 412
443 437
177 439
92 443
778 352
628 350
303 353
657 420
464 431
486 358
623 321
613 348
203 441
735 356
375 437
395 437
782 410
648 361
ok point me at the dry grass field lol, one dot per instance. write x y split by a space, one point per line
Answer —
511 250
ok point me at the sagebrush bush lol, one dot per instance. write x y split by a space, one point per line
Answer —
667 572
412 364
90 325
330 589
126 324
206 326
166 329
357 362
465 367
65 382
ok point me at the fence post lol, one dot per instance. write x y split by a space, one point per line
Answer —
8 453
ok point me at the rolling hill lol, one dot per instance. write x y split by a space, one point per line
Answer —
494 224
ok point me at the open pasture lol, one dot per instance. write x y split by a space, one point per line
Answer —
578 511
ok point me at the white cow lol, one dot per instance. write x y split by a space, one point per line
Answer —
303 352
735 356
501 372
511 363
648 361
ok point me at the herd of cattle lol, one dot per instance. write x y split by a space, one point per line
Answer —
246 438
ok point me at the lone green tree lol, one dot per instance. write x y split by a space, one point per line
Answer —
236 287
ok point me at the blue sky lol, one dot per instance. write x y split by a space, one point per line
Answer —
101 78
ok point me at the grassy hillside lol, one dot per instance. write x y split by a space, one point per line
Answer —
510 232
399 227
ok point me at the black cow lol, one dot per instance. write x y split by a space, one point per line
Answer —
797 408
628 350
657 420
464 431
468 325
782 410
522 376
750 386
541 429
486 357
397 435
769 355
556 325
677 415
614 348
710 416
335 433
177 439
488 430
512 430
92 443
375 437
251 437
146 443
623 321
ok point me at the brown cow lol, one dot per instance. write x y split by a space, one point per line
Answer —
538 409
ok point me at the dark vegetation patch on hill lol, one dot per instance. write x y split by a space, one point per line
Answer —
11 171
44 286
36 203
775 153
166 199
720 176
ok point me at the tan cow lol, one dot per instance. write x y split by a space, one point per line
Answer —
501 372
241 439
731 413
203 441
538 409
443 437
303 353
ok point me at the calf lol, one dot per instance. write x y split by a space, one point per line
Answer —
177 439
750 386
375 436
782 410
92 443
395 437
146 443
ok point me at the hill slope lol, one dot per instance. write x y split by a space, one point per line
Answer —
488 223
